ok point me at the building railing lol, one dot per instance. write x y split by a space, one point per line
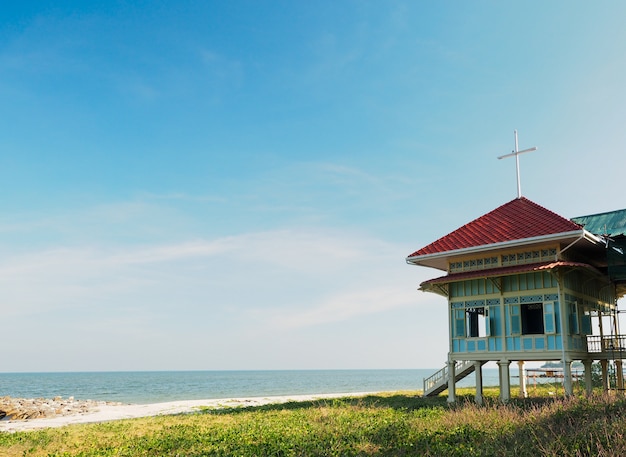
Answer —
606 344
440 376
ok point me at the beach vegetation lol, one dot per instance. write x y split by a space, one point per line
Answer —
395 424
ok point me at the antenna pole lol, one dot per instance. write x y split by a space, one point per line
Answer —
516 153
519 185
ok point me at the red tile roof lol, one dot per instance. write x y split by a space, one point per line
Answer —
516 220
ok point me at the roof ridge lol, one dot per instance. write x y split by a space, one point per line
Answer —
550 211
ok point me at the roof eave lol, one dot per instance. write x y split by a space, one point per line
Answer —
507 271
435 260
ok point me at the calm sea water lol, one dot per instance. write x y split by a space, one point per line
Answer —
159 386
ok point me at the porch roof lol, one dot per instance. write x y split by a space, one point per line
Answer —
505 271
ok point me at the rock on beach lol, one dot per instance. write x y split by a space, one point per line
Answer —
39 408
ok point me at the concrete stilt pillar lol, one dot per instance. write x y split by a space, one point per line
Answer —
568 385
505 381
522 380
451 382
588 378
604 364
478 370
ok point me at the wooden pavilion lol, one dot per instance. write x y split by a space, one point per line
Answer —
525 284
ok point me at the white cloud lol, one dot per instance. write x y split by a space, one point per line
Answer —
276 265
369 299
269 294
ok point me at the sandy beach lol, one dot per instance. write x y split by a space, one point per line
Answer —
110 412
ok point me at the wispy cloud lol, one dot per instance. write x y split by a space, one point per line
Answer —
367 299
273 267
182 196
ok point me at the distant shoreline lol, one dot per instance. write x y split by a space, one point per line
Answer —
165 386
97 412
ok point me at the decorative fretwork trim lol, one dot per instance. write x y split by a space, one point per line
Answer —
515 258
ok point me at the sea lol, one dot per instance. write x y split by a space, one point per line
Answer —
143 387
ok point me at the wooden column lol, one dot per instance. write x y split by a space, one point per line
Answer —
620 375
478 370
605 375
451 382
505 381
588 378
522 380
568 385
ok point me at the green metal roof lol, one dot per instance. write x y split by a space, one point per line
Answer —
613 226
612 223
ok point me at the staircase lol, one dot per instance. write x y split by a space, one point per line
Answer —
438 382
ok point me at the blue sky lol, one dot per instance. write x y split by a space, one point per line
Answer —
236 185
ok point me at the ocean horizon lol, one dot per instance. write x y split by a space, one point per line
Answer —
142 387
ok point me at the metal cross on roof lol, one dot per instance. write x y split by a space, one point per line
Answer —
516 152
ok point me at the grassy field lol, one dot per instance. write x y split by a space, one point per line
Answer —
398 424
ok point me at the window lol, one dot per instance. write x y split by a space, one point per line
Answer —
573 318
459 323
532 318
514 320
549 320
477 322
586 323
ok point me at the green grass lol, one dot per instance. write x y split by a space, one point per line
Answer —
399 424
